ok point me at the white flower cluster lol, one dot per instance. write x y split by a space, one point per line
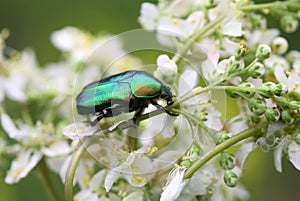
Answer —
221 49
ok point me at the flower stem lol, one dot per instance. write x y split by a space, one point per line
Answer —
258 130
276 4
72 169
44 175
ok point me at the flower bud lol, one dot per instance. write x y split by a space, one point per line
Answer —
245 88
230 178
289 23
166 69
279 45
185 163
240 53
287 117
258 20
263 52
256 70
272 114
254 119
267 89
193 152
257 105
227 161
280 89
295 105
223 136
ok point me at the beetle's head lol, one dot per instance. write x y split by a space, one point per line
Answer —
166 94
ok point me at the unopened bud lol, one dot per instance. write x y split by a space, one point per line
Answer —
263 52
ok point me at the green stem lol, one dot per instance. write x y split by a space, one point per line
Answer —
277 4
72 169
208 28
132 137
44 175
258 130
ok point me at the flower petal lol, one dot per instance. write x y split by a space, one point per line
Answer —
294 154
233 28
22 165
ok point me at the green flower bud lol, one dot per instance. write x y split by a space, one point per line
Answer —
257 105
295 105
240 53
231 93
254 119
280 89
267 89
227 161
279 45
185 163
223 136
289 23
263 52
230 178
193 152
246 89
287 117
256 70
257 20
272 114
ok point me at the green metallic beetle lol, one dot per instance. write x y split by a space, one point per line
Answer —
124 92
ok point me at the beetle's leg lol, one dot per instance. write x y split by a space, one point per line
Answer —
158 106
136 116
95 121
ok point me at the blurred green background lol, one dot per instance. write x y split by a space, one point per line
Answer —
31 23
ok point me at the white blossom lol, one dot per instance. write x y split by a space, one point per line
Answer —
25 161
174 186
294 154
166 69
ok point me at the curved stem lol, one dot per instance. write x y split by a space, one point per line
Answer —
72 169
258 130
44 175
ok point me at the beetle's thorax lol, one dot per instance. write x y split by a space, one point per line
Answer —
166 94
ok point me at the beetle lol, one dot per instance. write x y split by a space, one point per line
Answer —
128 91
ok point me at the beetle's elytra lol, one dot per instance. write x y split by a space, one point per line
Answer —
124 92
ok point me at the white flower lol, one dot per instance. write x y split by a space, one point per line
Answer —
166 69
199 183
292 81
261 36
91 193
149 14
137 170
296 66
210 67
173 26
278 155
58 148
294 154
26 160
28 138
69 38
279 45
243 152
276 61
174 186
20 72
79 130
233 28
